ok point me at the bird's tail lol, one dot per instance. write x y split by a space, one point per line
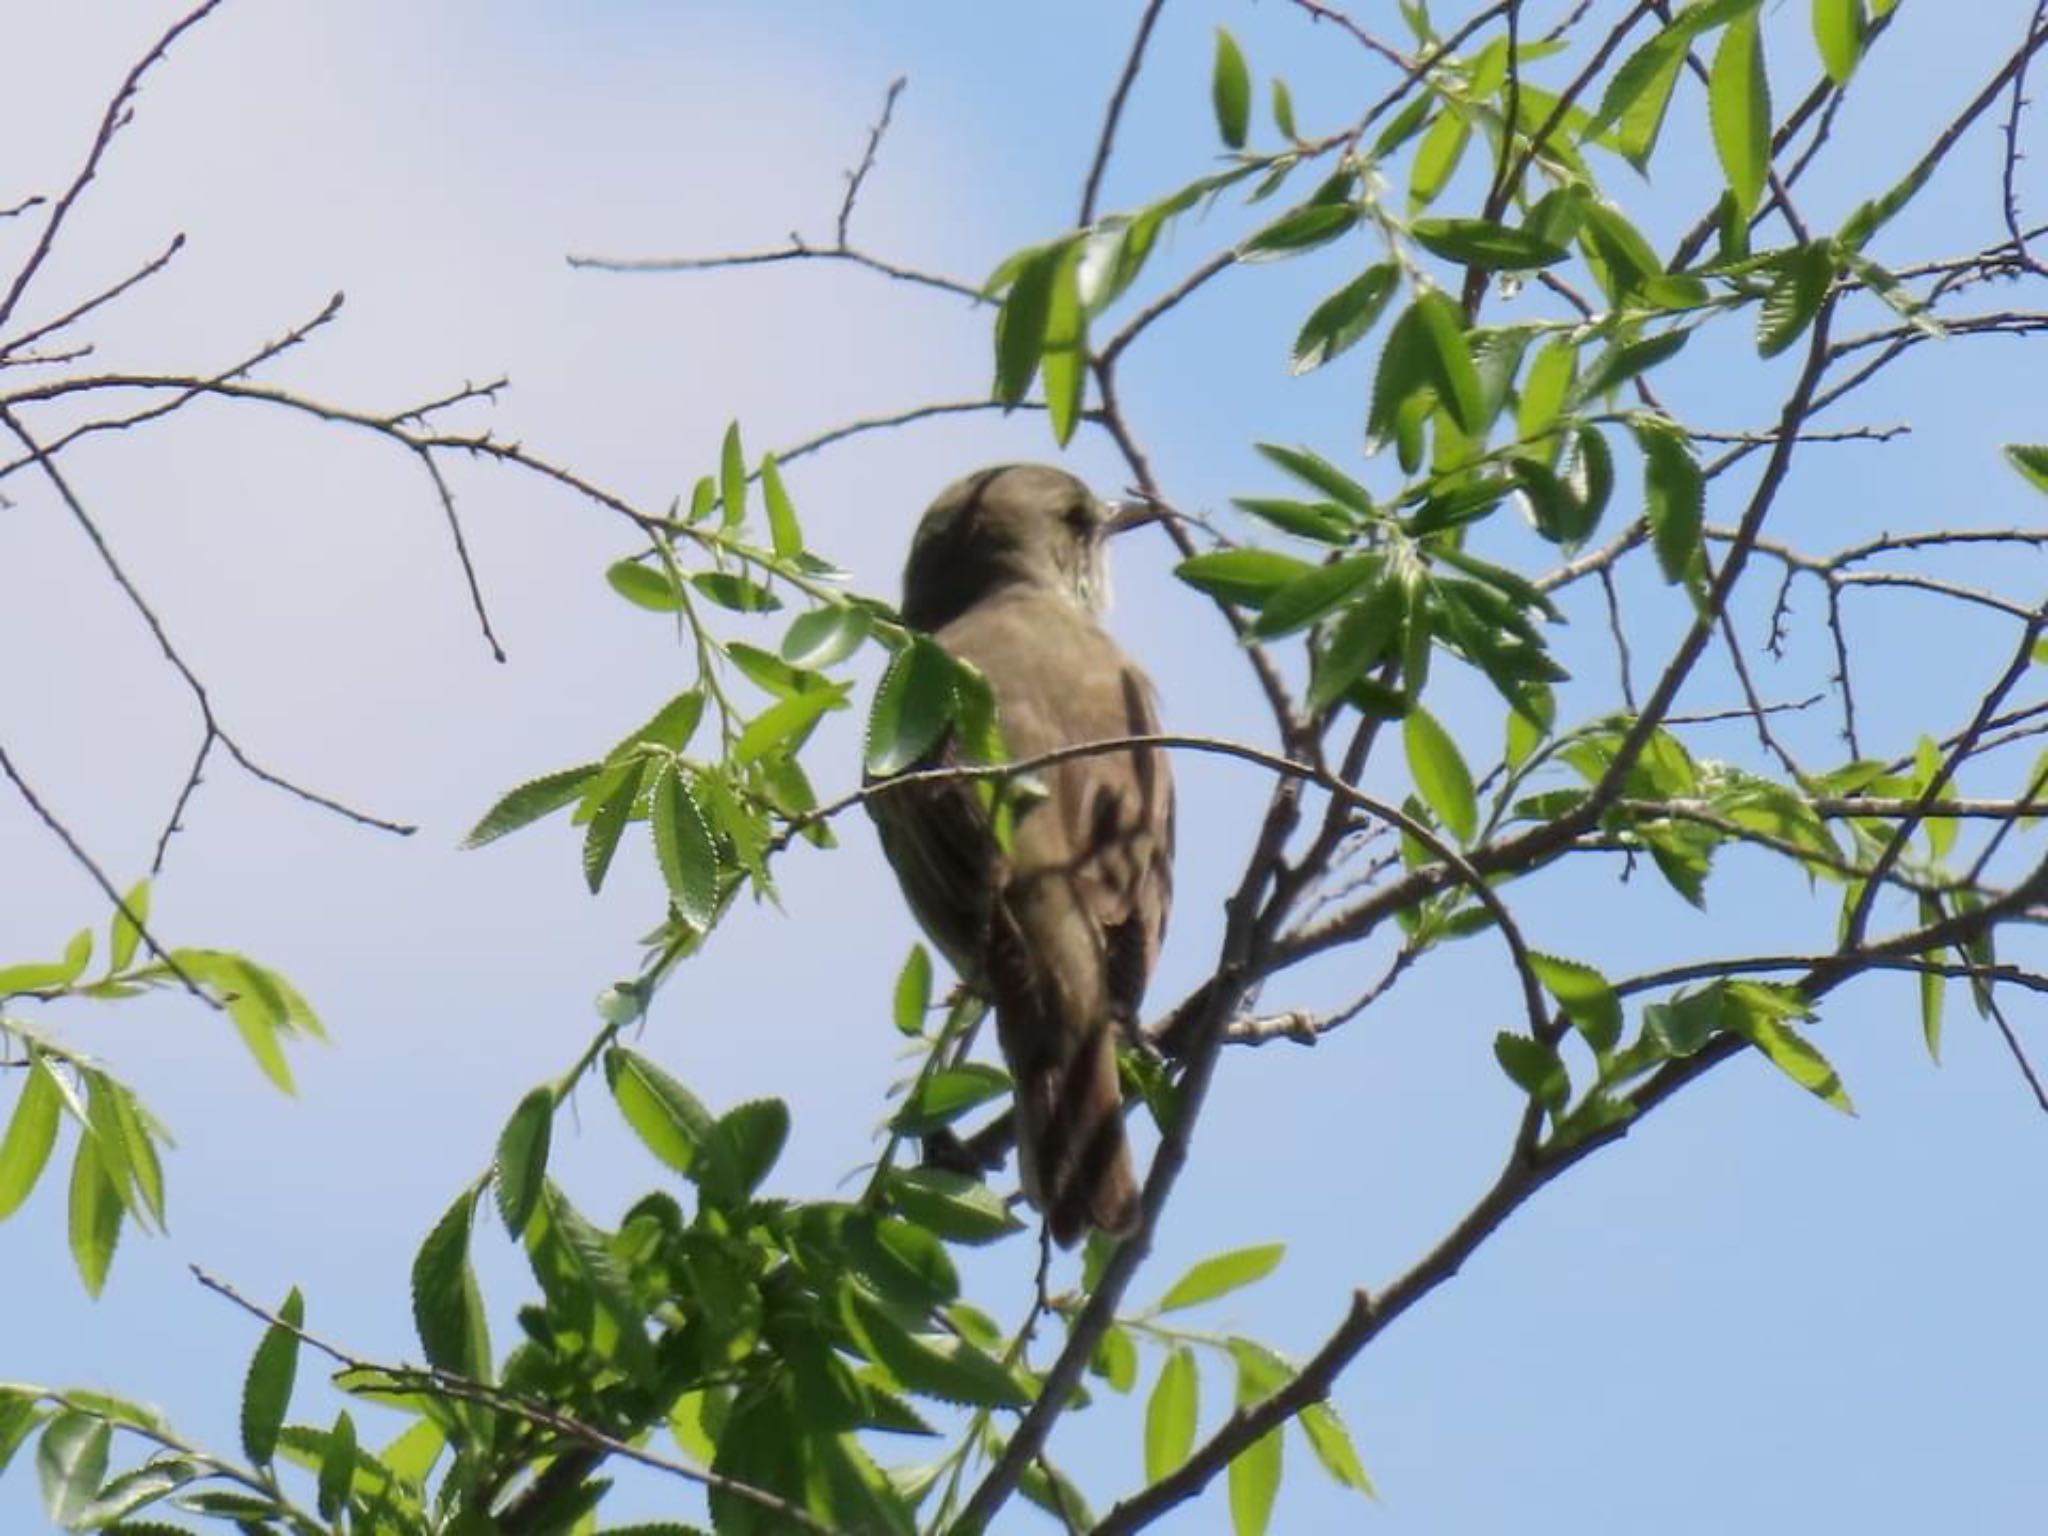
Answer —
1072 1154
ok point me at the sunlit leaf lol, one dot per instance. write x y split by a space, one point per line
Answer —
31 1133
447 1307
1230 91
1170 1415
267 1390
1739 106
1440 774
1343 319
1220 1275
522 1160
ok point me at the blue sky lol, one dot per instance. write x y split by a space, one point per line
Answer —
1752 1313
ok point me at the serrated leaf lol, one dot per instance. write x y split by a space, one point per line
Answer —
1803 277
1230 91
751 1137
664 1114
1440 774
531 801
1616 366
1675 502
1331 1442
1170 1414
267 1389
572 1260
783 726
608 823
1063 358
337 1466
133 1490
1451 366
1313 470
1739 108
912 708
1116 1359
1343 319
521 1164
1586 997
1362 634
1535 1068
31 1134
683 848
447 1307
1220 1275
934 1365
1485 244
1794 1055
958 1208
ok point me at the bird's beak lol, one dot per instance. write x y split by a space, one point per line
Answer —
1135 513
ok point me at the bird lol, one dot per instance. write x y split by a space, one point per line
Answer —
1060 931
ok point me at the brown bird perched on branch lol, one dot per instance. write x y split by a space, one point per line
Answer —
1061 932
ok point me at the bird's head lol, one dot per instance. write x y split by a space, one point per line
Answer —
1012 524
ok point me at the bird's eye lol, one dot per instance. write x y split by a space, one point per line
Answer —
1080 517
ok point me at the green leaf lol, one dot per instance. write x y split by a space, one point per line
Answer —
735 592
1794 1055
1639 91
1300 229
1322 521
650 589
1230 91
683 848
824 637
1436 158
1484 243
1254 1477
95 1216
1243 576
337 1466
662 1112
19 1418
785 725
574 1263
267 1390
1739 107
732 477
958 1208
913 996
1283 109
1933 987
1343 319
1536 1069
1544 389
1675 495
531 801
71 1462
1361 636
1116 1359
1586 997
1021 321
133 1490
1170 1415
947 1094
1802 278
1839 27
522 1161
1616 366
447 1307
943 1366
126 934
2031 460
785 534
1316 595
912 708
1331 1442
1220 1275
1440 774
607 823
1063 359
31 1133
1451 367
751 1137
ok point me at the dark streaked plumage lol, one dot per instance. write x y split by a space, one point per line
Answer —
1006 572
